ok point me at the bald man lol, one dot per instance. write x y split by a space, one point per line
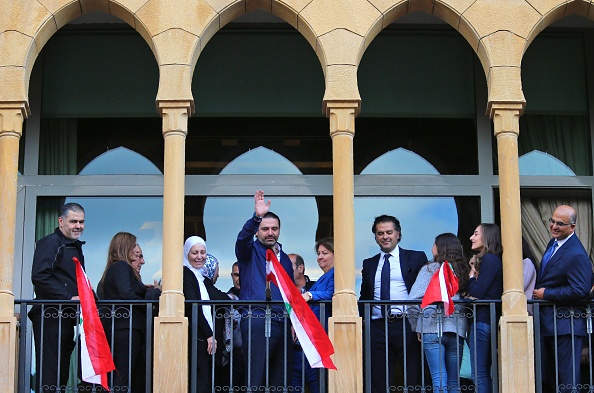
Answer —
564 278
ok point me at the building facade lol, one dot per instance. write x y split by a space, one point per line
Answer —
162 117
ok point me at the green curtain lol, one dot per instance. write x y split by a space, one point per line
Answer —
46 219
57 147
565 137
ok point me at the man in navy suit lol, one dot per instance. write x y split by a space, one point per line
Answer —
387 276
564 277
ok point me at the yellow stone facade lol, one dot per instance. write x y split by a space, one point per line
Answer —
339 31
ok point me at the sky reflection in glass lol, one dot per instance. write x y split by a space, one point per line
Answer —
106 216
538 163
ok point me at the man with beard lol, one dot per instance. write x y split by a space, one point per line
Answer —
272 331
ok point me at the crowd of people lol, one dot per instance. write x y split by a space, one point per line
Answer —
404 339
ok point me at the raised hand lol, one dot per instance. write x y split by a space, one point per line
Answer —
261 207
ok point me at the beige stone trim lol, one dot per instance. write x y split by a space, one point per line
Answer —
516 354
345 325
170 366
506 127
9 350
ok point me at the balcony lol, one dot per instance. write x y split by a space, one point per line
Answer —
231 373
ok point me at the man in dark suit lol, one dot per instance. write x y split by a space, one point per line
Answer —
386 276
564 277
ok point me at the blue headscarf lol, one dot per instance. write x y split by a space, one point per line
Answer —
210 267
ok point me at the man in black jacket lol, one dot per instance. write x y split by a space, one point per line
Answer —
54 278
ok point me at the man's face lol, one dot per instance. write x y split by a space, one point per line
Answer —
268 232
386 236
73 225
563 216
235 277
297 272
138 260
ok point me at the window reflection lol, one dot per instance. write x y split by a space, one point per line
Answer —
104 217
224 217
538 163
421 218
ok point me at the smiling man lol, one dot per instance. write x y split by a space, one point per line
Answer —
54 278
251 258
387 276
564 277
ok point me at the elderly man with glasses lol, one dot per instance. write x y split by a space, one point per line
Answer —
564 277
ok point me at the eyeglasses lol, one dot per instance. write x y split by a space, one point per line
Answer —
560 224
235 274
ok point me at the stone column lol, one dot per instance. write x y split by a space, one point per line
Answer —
344 327
11 128
516 335
171 326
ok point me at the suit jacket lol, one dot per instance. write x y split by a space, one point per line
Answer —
566 279
410 263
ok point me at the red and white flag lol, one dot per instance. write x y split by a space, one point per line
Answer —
443 285
316 345
95 356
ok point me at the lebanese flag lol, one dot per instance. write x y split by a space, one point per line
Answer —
443 285
95 356
312 336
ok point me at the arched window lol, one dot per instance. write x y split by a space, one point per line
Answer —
106 216
421 218
225 216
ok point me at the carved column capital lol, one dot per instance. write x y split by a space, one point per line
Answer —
12 115
506 117
342 117
175 116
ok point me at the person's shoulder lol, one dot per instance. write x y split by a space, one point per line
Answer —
371 259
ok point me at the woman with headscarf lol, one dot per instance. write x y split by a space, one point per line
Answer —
198 287
121 281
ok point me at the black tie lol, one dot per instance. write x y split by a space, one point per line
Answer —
385 280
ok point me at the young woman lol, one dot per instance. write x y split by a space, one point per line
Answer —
121 281
485 283
442 337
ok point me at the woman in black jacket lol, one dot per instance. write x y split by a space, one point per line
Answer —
127 338
198 287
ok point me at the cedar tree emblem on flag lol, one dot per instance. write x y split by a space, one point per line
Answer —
312 336
96 360
443 285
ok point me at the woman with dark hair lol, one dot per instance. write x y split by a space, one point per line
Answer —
485 283
121 281
442 337
322 289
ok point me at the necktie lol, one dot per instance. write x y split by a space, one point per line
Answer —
385 281
547 256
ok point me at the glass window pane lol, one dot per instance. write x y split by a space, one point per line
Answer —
104 217
449 145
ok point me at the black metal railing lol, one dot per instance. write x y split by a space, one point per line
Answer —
233 366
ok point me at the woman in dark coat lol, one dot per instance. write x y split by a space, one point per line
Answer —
121 281
198 287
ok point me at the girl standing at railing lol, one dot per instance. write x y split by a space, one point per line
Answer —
485 283
442 336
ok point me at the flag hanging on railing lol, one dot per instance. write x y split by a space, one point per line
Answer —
443 285
312 336
95 356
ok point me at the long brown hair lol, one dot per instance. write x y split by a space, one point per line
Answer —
491 239
121 248
449 249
